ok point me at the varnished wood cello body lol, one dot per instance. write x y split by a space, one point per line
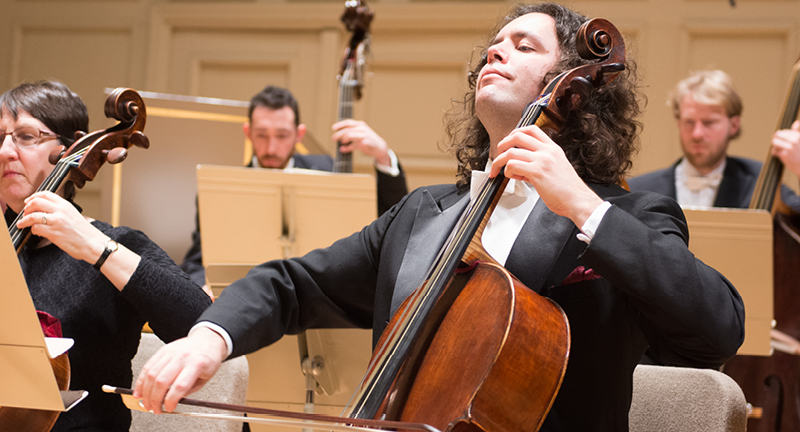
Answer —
79 164
771 384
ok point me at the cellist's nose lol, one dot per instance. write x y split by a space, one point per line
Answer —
7 148
495 53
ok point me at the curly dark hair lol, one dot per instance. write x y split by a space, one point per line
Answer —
599 139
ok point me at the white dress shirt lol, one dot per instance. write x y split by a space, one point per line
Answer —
512 211
693 189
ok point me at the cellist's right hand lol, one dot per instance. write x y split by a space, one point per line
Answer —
180 369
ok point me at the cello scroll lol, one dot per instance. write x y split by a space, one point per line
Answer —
597 39
110 145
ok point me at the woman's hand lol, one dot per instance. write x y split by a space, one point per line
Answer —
54 218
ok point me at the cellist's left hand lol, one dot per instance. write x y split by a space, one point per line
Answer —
786 146
531 156
54 218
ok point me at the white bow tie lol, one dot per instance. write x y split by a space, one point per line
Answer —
513 187
696 184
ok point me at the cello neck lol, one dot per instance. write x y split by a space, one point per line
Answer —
51 183
769 179
430 301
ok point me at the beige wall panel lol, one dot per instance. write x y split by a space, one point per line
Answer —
239 81
394 107
236 65
757 64
413 78
88 61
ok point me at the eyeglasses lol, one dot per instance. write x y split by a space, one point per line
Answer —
29 137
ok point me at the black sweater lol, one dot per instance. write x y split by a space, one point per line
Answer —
106 323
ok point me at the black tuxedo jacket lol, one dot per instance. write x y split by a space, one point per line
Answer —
735 190
651 291
389 189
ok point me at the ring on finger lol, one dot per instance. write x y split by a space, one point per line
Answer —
44 218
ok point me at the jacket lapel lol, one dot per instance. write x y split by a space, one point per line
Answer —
431 227
733 191
538 247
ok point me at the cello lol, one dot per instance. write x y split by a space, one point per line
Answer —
79 164
772 384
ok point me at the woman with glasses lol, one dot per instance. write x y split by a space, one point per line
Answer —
102 282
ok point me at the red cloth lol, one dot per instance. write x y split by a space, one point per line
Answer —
51 326
580 274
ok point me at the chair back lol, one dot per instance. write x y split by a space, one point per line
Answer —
229 385
667 399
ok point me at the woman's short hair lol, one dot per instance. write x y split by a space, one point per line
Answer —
52 103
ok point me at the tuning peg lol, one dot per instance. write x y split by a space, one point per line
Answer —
140 140
612 68
581 86
116 155
79 135
56 153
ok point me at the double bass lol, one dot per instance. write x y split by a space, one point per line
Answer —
471 308
771 384
79 164
357 18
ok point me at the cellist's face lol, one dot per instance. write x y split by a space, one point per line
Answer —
22 169
523 52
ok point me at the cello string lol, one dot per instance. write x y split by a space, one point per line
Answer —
346 97
414 316
54 178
